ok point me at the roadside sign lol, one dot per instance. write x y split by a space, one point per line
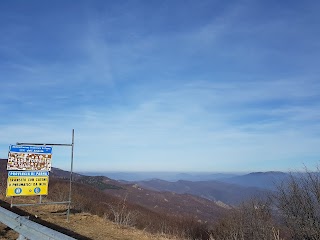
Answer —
30 158
28 171
27 183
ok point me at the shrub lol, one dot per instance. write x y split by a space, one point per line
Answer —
251 221
298 201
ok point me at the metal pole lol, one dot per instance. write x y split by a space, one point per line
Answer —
71 170
45 144
38 204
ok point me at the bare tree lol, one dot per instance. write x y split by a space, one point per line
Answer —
121 214
298 200
251 221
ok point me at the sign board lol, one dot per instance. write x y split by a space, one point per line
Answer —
27 183
29 158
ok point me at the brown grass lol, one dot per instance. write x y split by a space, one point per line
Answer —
88 199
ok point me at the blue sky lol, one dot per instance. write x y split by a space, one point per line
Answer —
218 86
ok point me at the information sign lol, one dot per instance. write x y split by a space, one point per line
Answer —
30 158
27 183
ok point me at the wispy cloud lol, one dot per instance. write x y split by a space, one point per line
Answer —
199 117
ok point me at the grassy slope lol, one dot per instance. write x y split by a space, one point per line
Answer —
87 225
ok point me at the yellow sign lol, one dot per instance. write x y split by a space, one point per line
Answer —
27 185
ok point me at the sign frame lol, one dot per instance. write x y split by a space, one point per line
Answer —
70 180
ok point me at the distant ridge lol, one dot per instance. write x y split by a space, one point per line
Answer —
229 193
266 173
168 176
265 180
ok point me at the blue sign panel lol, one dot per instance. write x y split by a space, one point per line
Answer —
29 158
27 173
30 149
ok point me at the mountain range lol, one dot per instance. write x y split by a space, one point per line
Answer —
168 176
204 200
216 191
264 180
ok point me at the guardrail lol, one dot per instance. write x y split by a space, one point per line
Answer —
28 229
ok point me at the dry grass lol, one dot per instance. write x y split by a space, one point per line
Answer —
88 225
